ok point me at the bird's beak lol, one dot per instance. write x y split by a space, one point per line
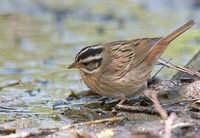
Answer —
73 65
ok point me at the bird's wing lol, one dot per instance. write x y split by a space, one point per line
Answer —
125 55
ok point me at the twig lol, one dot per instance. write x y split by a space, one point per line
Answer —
158 107
163 113
100 121
138 109
10 84
106 120
168 125
160 69
182 124
176 67
142 109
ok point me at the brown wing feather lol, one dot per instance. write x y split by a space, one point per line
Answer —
124 55
143 49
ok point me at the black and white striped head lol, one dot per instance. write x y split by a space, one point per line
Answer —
89 59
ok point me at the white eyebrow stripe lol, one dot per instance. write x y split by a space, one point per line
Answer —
84 50
88 59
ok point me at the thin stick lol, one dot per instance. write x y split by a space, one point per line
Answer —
176 67
161 69
141 109
148 110
106 120
169 120
168 125
10 84
100 121
158 107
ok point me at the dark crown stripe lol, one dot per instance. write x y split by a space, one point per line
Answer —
89 51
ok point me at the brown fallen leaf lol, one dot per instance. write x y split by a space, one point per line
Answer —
190 91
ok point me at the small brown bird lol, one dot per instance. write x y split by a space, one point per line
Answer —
121 68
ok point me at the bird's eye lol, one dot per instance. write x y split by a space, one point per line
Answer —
85 63
92 65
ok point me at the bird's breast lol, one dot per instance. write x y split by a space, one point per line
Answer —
108 86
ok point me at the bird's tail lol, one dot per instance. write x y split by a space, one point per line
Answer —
162 44
167 39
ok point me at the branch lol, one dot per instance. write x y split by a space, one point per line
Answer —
10 84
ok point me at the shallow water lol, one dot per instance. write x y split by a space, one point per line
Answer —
39 39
